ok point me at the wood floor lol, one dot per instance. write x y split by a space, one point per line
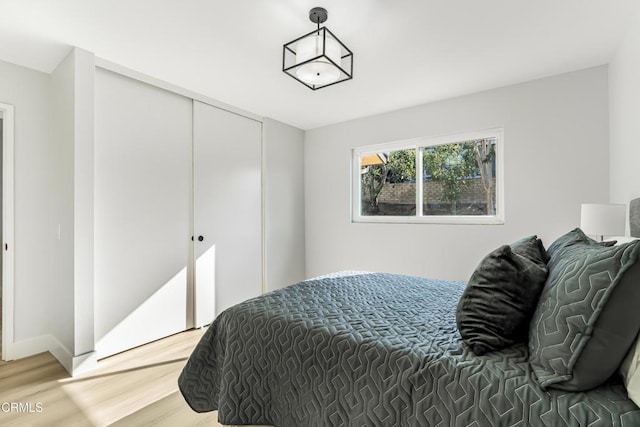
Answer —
134 388
0 310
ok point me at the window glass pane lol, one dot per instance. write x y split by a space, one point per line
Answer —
460 178
388 183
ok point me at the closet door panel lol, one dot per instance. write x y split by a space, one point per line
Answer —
143 154
227 189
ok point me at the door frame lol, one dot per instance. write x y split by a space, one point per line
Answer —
7 230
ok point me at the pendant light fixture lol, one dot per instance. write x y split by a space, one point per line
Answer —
317 59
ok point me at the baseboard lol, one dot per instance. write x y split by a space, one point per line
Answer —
75 365
61 353
31 346
84 363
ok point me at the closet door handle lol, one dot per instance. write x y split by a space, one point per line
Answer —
200 238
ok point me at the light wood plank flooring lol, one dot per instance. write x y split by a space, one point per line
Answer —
134 388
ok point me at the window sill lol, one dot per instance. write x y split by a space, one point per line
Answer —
435 219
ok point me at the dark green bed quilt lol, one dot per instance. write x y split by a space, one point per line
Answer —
374 350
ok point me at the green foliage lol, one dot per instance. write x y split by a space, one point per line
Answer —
485 154
372 182
402 166
452 165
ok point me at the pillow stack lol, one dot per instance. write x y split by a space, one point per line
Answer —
587 317
576 305
495 309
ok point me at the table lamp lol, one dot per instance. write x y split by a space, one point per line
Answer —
601 219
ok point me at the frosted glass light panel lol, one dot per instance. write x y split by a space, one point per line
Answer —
459 178
317 59
388 183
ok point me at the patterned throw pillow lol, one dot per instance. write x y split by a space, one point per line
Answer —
574 237
587 316
497 304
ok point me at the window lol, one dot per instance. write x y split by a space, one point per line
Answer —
452 179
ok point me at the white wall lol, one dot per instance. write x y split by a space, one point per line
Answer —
71 207
556 157
53 140
283 147
624 98
60 209
83 210
28 91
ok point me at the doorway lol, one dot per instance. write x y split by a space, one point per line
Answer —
6 230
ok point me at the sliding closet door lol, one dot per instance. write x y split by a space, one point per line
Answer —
227 208
142 217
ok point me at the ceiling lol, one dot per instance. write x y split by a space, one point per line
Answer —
406 52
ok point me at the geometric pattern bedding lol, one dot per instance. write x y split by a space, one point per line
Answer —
574 307
374 350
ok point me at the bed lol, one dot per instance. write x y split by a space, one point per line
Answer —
375 349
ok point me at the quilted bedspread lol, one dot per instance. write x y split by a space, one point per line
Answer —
374 350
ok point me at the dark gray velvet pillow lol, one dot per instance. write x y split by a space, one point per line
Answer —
532 248
496 306
587 316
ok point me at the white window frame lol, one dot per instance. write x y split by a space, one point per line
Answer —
416 144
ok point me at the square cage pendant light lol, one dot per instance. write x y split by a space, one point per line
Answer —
317 59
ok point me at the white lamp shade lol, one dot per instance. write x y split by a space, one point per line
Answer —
320 71
603 219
